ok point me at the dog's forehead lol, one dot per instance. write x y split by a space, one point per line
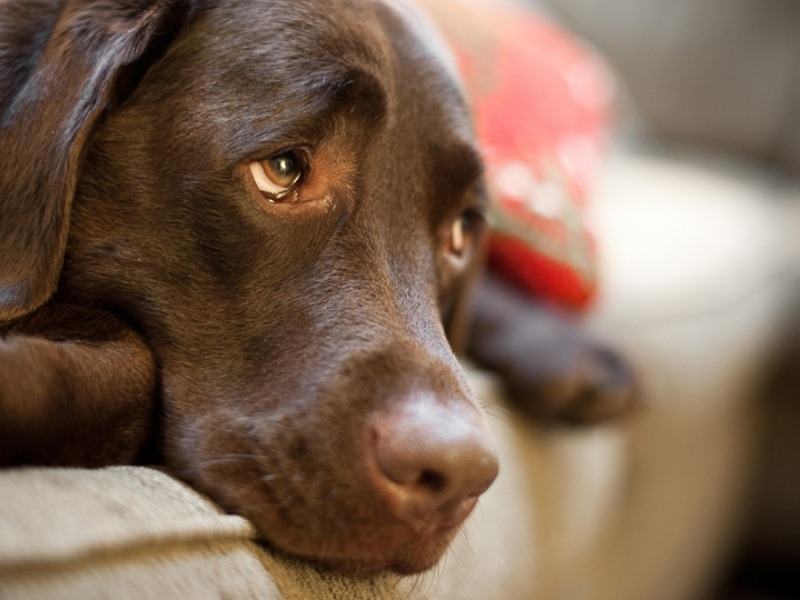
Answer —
302 41
353 21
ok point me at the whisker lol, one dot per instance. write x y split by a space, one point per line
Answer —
506 416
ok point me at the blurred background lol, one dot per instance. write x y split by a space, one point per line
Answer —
685 166
698 208
709 111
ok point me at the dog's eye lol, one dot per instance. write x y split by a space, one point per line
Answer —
463 233
278 176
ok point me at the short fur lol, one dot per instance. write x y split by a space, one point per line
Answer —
154 307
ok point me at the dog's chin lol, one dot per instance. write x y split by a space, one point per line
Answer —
362 556
414 558
364 568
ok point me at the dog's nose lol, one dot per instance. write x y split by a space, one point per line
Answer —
434 460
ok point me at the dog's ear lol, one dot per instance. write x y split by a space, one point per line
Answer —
62 62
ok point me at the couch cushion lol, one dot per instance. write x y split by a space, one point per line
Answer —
69 533
57 515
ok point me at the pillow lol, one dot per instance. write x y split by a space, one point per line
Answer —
541 104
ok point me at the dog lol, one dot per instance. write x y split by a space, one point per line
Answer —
235 236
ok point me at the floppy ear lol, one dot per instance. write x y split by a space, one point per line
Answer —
60 66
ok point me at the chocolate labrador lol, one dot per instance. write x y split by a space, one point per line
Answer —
231 235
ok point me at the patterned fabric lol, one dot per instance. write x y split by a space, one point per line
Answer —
542 109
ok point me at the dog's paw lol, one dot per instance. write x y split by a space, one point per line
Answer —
551 368
582 382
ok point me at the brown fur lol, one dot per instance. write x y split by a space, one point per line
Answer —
156 307
277 330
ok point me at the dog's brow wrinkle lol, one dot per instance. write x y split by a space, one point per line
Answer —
354 89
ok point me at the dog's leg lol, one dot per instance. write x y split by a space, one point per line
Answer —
76 387
551 368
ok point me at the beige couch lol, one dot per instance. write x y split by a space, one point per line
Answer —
696 259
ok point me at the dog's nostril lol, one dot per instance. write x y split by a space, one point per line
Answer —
431 456
432 480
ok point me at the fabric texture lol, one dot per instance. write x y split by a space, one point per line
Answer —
70 533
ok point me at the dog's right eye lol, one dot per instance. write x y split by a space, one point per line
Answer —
279 176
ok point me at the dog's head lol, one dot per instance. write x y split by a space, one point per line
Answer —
282 198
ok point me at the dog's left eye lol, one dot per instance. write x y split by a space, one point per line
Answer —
464 232
279 176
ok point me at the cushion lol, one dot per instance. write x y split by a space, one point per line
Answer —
541 105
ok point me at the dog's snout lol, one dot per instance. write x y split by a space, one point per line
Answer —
433 460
